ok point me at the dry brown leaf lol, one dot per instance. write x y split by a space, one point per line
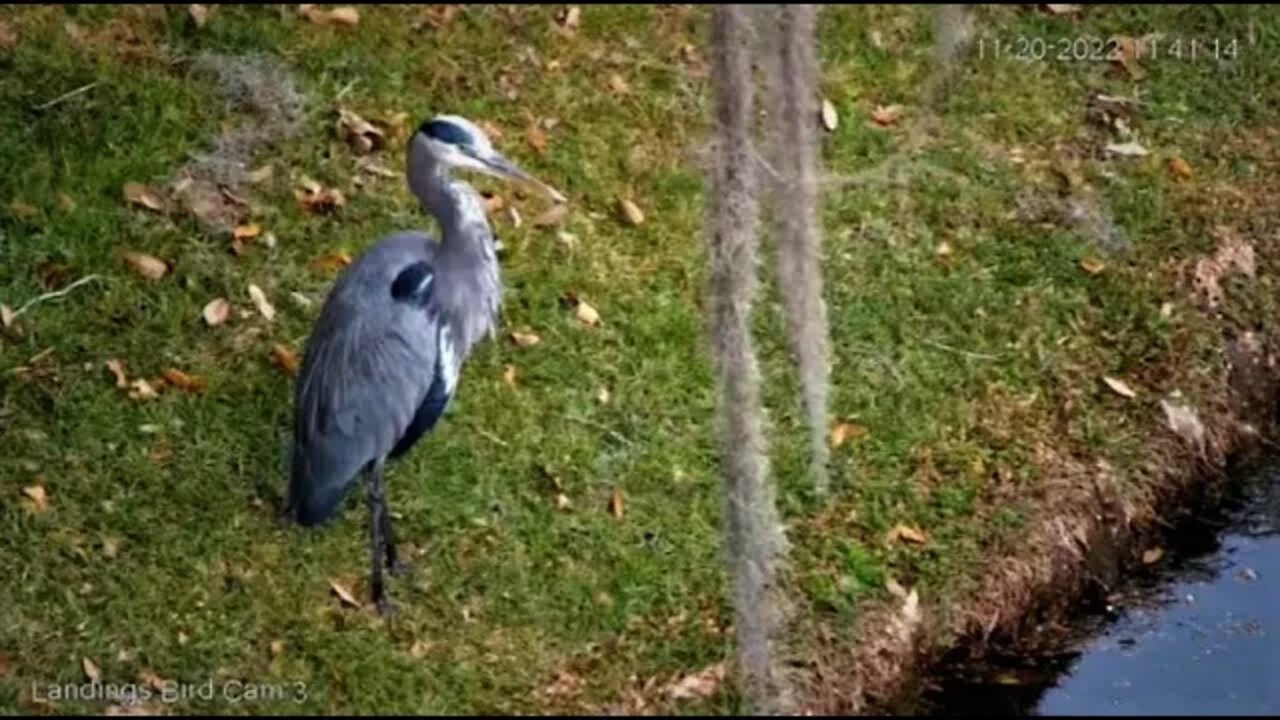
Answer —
886 115
262 174
147 266
568 21
7 316
906 533
1131 148
332 262
348 16
91 670
277 648
216 312
844 432
8 36
554 215
1152 556
943 250
265 308
359 133
1179 168
141 389
344 595
38 497
602 396
22 210
563 502
1092 265
702 684
631 212
199 14
618 85
139 194
1119 387
313 198
536 138
525 338
1063 9
830 120
285 359
116 368
244 233
509 376
183 381
616 504
110 547
586 314
148 677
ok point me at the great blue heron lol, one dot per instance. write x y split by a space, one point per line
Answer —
383 359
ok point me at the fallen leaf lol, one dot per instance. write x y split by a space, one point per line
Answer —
1184 421
312 197
361 135
616 505
216 312
373 167
1233 254
1179 168
332 261
830 120
160 454
1120 387
602 396
139 194
344 595
265 308
631 212
277 648
618 85
1152 556
586 314
702 684
183 381
148 266
302 300
262 174
91 670
553 216
563 502
886 115
148 677
1127 149
569 20
141 389
536 138
285 359
347 16
7 316
419 649
509 376
199 14
906 533
525 339
38 497
8 37
895 589
116 368
243 233
22 210
844 432
110 547
1063 9
943 250
1092 265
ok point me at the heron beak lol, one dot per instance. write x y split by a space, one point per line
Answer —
498 166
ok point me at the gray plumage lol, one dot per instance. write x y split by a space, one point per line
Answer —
383 359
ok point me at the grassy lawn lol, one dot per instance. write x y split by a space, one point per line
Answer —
971 322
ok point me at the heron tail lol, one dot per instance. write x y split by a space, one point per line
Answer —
311 500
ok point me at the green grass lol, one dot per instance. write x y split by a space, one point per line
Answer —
956 366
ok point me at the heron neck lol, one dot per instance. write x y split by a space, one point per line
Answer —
458 211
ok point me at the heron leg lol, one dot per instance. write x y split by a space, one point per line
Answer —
377 522
394 565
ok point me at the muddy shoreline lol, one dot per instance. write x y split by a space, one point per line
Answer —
1089 535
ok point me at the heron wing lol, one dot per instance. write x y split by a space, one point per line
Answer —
366 374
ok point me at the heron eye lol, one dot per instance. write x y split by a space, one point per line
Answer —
413 284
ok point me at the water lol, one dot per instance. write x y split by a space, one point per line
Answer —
1199 635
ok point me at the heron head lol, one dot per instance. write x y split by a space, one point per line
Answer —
457 142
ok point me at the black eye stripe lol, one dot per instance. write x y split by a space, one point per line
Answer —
445 131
